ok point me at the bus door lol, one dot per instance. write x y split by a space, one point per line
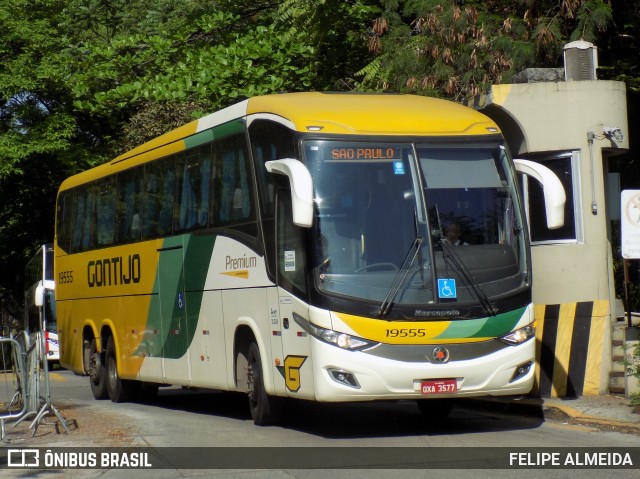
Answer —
295 369
173 313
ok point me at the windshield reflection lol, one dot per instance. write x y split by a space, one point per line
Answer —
373 200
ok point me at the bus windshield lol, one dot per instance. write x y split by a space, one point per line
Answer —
405 215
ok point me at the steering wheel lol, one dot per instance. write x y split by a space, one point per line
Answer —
381 266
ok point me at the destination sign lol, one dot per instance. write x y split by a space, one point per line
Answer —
350 153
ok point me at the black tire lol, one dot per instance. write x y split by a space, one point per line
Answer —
97 372
120 390
265 409
435 410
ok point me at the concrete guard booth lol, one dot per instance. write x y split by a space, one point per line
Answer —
572 123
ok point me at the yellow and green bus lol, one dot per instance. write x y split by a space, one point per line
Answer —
297 245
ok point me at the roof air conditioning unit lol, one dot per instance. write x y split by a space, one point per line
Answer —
580 61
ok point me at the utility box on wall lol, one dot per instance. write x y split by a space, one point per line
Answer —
580 61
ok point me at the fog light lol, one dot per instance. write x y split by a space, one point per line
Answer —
344 377
521 370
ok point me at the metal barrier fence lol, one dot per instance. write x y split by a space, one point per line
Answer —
24 389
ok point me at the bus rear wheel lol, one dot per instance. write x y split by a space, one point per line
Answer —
120 390
97 372
265 409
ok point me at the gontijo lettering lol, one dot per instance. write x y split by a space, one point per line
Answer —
114 271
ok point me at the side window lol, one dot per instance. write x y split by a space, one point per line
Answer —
105 211
79 213
291 248
159 190
64 219
270 141
193 172
233 201
89 223
566 167
129 205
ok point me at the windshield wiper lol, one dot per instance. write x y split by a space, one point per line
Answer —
449 254
400 276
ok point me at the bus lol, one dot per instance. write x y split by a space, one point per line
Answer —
39 302
294 246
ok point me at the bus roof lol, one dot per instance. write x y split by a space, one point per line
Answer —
328 113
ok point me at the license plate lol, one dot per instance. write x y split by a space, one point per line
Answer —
439 386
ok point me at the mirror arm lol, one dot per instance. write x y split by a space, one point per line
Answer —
301 188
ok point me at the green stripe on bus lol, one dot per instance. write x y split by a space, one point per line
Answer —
196 267
216 133
183 264
483 328
501 324
199 139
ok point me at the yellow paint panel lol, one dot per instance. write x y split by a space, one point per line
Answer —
500 93
563 349
538 316
378 330
370 114
593 372
243 273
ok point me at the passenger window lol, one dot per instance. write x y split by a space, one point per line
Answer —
105 211
79 212
232 192
159 190
129 205
194 185
64 220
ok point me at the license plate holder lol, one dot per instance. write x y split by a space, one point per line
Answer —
439 386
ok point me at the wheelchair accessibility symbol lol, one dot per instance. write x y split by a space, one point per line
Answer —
447 288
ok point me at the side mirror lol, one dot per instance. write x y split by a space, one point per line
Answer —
39 296
554 195
301 188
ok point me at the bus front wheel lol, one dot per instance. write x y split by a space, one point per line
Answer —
120 390
265 409
97 372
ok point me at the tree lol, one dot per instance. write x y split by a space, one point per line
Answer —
458 48
75 73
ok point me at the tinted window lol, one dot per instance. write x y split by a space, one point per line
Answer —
129 205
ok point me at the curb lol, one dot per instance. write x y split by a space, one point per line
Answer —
551 410
569 413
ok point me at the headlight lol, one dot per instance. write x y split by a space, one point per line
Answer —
342 340
521 335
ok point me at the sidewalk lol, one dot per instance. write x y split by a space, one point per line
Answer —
605 412
616 412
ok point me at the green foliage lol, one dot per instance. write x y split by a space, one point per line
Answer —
632 368
457 49
139 69
337 30
442 48
83 80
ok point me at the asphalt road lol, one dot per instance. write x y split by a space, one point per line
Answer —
211 419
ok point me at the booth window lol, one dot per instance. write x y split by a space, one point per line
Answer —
566 166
